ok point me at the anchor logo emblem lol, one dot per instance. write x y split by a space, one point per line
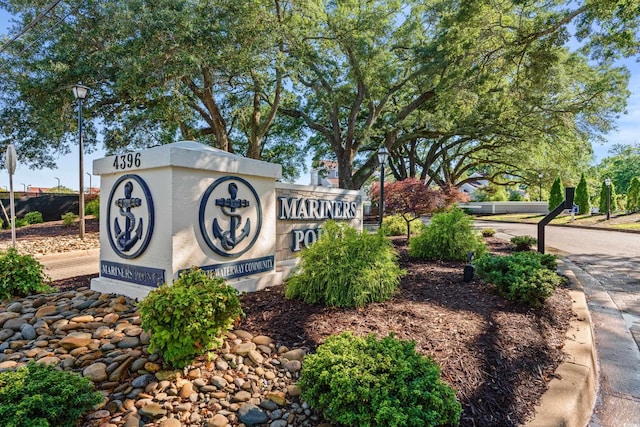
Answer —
124 239
229 239
230 216
130 219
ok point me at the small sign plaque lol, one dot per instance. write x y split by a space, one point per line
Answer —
146 276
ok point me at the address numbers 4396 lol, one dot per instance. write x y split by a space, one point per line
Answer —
126 161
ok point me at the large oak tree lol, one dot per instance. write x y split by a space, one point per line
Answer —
158 71
449 87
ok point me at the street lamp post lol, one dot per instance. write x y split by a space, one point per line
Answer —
24 188
58 192
540 187
608 184
89 183
80 93
383 155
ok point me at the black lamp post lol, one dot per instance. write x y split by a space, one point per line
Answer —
540 187
58 184
608 184
383 155
80 93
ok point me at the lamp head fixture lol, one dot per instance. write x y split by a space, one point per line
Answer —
383 155
80 91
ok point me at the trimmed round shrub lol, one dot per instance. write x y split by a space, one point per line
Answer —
34 217
488 232
526 277
345 268
363 381
21 275
189 317
449 236
523 243
395 225
40 395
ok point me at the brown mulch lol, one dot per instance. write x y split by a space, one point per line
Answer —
51 229
498 355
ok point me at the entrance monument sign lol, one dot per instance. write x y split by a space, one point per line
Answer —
172 207
180 205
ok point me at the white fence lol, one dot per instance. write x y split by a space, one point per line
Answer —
490 208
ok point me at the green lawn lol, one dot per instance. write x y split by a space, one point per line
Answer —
618 221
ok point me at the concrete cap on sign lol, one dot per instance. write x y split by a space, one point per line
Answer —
192 155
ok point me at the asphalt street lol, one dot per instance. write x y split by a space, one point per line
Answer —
611 279
71 264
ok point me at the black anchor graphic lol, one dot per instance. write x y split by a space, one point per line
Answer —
123 237
228 238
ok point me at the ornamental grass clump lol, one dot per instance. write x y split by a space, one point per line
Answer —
449 236
526 277
345 268
363 381
39 395
189 317
21 275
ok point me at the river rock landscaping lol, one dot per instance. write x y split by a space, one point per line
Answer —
498 355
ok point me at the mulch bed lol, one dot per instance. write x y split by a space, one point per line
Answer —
498 355
51 228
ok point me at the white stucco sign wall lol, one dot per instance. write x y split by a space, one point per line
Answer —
168 208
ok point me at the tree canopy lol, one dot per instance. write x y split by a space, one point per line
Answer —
621 166
449 87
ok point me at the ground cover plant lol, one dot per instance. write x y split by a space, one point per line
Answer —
345 268
39 395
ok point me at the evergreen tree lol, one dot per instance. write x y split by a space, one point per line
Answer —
603 198
582 196
556 197
633 195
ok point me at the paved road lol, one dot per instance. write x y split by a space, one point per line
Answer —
71 264
611 262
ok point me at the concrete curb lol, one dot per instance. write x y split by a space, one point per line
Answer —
570 398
